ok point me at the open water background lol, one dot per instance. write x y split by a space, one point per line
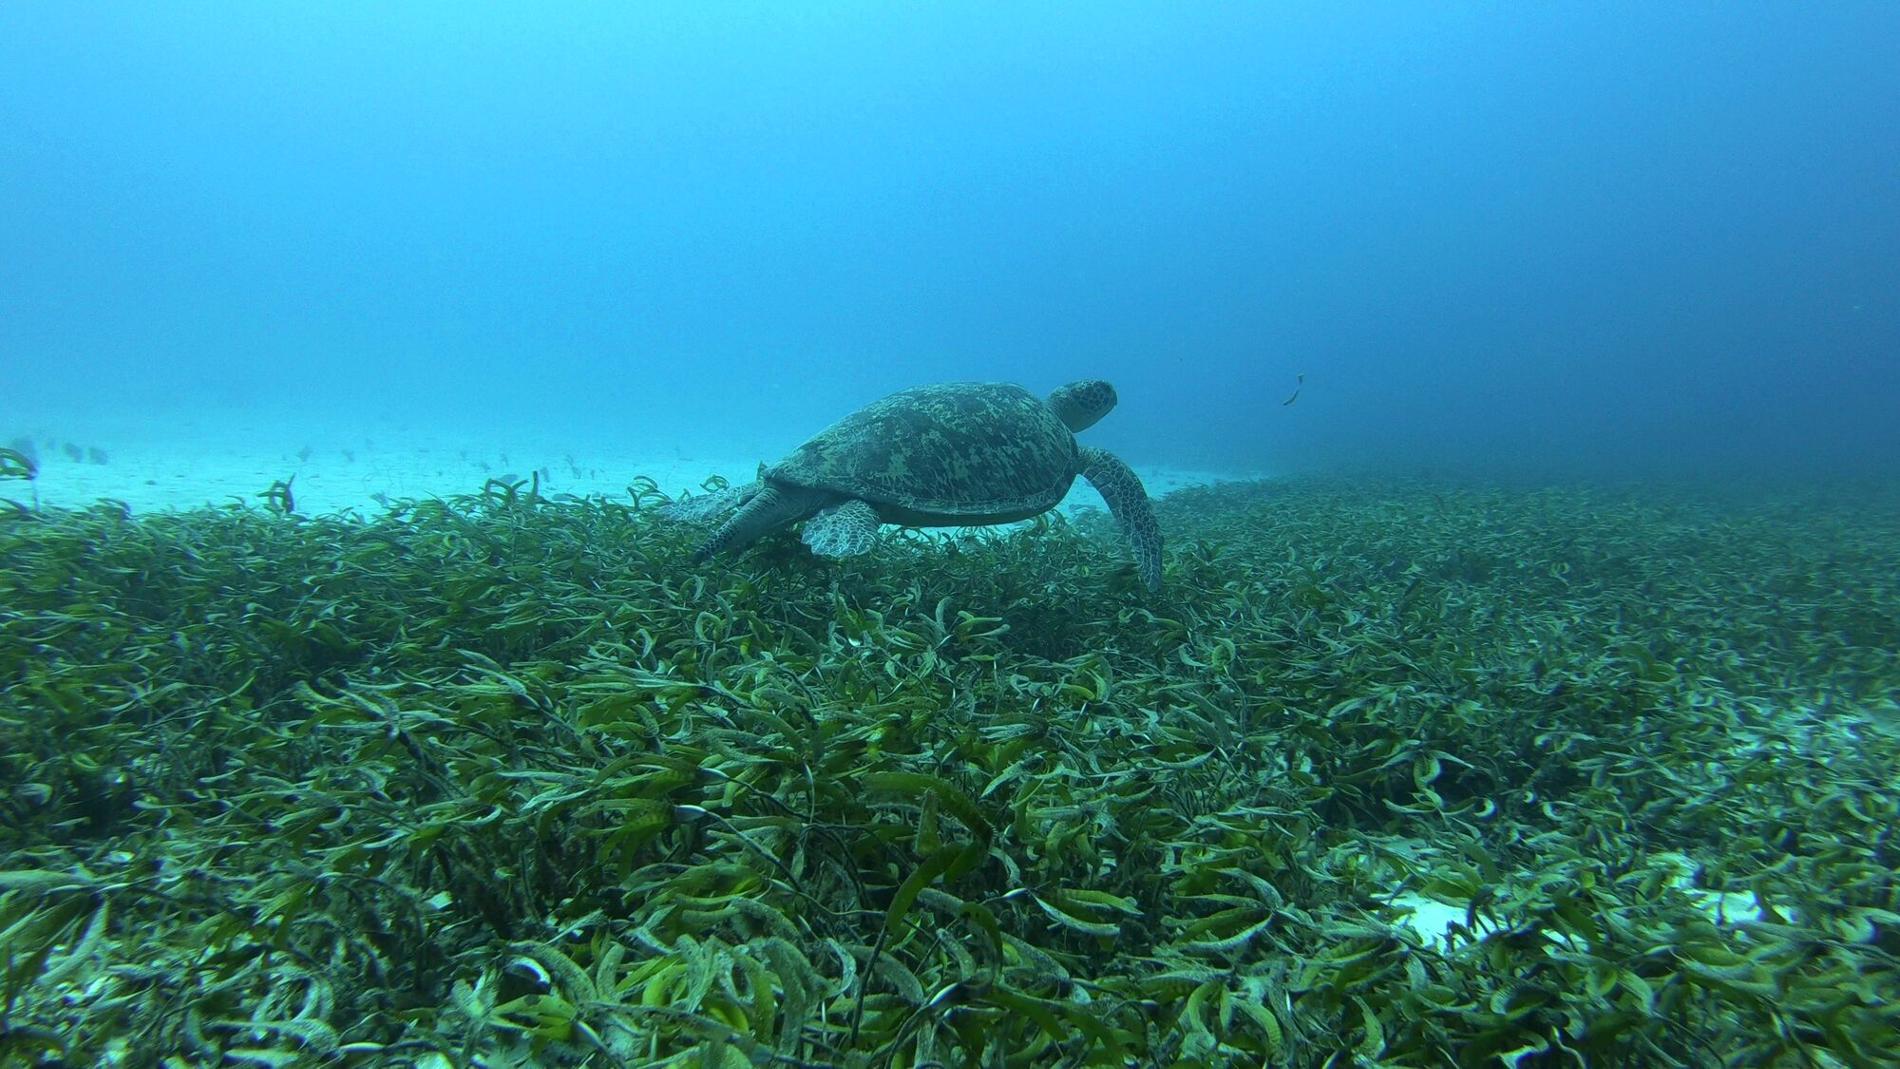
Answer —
1572 239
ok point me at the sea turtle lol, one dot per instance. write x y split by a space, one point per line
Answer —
951 455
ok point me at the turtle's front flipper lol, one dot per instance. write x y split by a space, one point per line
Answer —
1128 503
843 530
771 507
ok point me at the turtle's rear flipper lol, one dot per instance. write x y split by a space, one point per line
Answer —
1128 503
844 530
702 507
771 506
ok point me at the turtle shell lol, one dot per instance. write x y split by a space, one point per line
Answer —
961 450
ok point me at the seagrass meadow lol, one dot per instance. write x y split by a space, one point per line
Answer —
500 780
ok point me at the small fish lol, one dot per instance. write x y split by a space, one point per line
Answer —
1298 382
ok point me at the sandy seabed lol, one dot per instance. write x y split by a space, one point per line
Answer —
223 458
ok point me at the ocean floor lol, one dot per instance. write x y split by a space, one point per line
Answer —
1574 738
221 458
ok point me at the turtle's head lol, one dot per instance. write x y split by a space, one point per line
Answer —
1080 404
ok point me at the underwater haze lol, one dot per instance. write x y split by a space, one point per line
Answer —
1485 658
1597 239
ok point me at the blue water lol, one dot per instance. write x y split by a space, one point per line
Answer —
1598 238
